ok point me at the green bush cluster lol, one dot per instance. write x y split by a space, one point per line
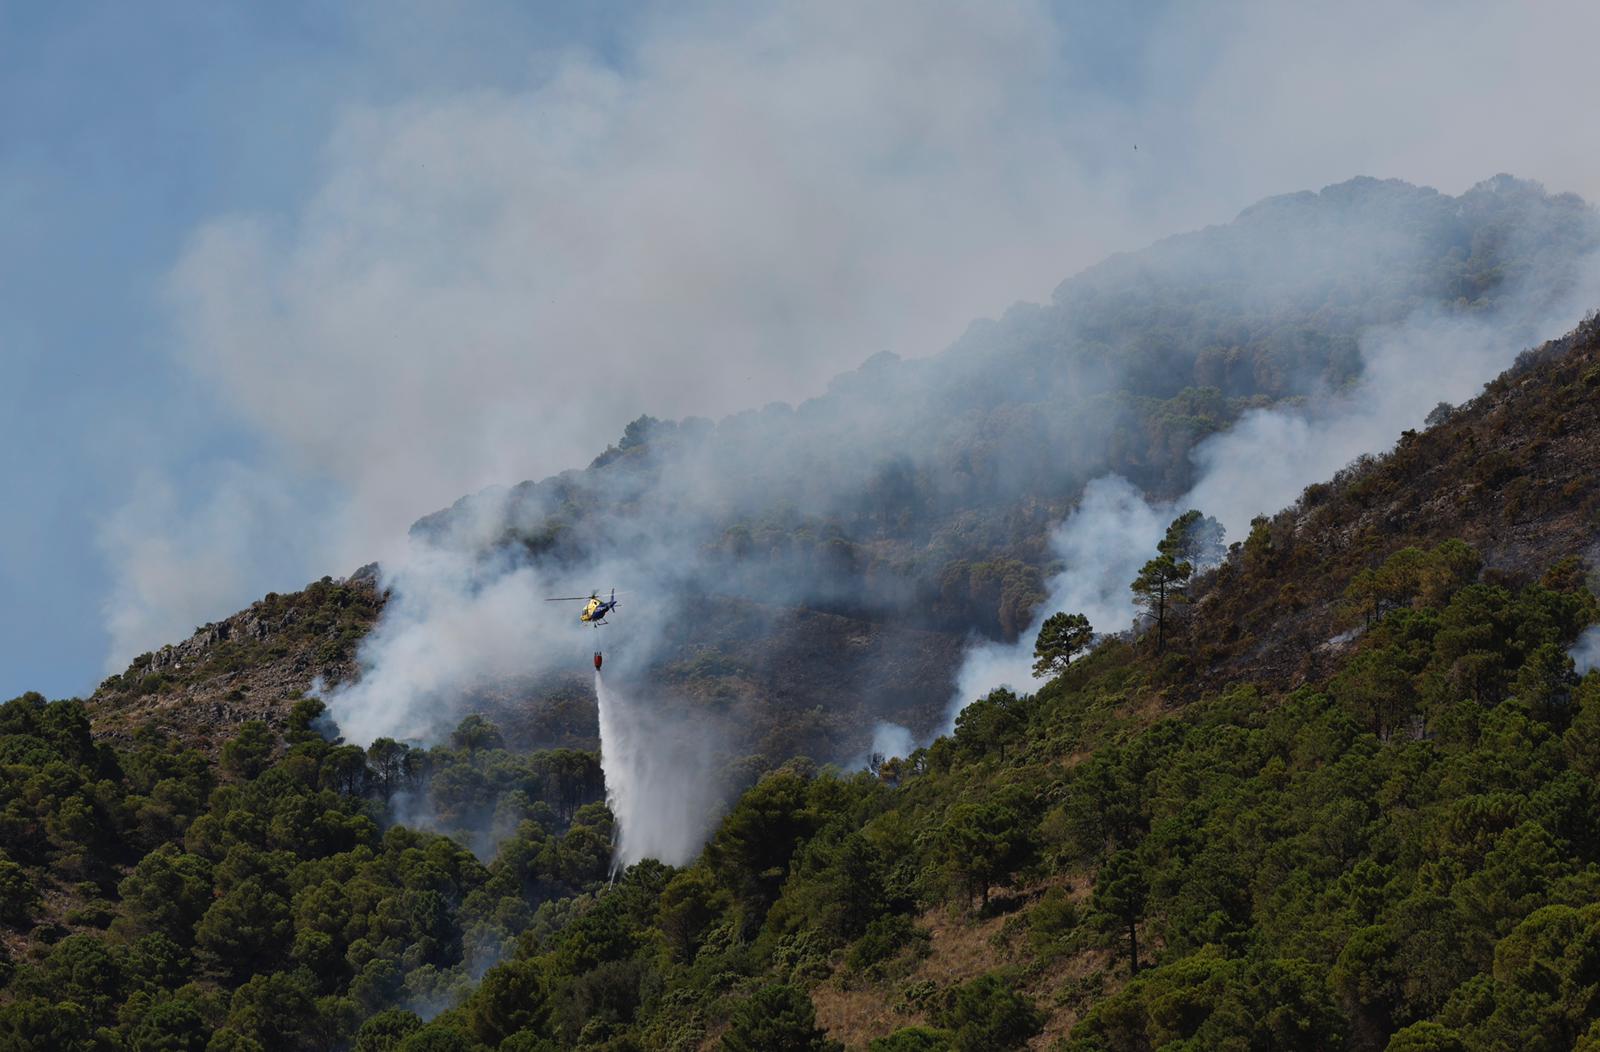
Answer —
269 901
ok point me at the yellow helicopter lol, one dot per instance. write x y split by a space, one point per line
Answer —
594 611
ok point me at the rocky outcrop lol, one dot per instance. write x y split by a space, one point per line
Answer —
253 665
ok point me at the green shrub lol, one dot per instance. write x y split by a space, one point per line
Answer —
988 1015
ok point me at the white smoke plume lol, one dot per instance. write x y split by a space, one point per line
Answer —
452 622
1585 653
1103 543
465 617
1263 462
1269 456
485 285
482 283
891 739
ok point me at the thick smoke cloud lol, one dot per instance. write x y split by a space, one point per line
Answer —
1262 463
486 283
454 623
466 620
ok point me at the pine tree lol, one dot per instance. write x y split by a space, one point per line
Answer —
1161 580
1060 638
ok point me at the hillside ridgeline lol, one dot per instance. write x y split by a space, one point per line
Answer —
1225 844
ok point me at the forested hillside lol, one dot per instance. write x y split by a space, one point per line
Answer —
924 493
1350 804
809 570
926 488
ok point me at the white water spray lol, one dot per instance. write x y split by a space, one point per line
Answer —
618 789
657 783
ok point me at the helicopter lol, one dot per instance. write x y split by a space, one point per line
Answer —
594 611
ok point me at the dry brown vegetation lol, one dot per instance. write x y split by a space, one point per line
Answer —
1515 474
963 946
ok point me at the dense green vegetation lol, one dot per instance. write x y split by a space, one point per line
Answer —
1403 855
261 898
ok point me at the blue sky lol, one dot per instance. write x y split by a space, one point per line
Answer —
123 127
276 279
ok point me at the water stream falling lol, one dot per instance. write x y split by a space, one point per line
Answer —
618 789
656 781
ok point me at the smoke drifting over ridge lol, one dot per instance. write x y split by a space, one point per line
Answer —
1262 463
486 285
860 501
732 207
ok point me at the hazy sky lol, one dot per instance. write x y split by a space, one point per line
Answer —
277 279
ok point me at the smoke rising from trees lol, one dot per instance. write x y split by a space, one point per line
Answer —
1269 456
737 206
849 502
1585 653
453 622
488 284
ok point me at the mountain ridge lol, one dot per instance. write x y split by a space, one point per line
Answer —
1350 804
1513 473
927 504
1344 855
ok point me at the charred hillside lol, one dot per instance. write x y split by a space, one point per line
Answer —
925 490
1515 474
923 495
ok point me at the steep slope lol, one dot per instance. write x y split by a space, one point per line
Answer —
737 666
1395 847
253 665
1400 836
923 493
876 528
1515 473
1323 826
